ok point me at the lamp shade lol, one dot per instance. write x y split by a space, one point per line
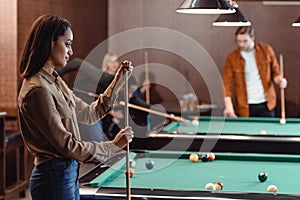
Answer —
296 23
234 19
205 7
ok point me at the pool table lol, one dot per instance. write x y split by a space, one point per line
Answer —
221 134
241 126
174 176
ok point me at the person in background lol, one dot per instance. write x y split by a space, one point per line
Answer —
253 69
155 96
112 122
49 111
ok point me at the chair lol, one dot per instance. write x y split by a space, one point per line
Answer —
13 172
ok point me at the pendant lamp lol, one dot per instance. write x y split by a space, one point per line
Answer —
234 19
296 23
205 7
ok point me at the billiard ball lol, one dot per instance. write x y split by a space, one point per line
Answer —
194 157
272 188
263 132
282 121
262 176
149 164
204 157
210 186
218 185
211 156
195 123
131 172
132 163
195 118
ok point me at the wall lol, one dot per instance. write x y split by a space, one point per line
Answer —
272 24
89 24
8 56
88 19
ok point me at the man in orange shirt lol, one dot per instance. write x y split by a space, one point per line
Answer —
253 68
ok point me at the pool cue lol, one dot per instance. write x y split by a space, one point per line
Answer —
126 111
85 92
147 77
173 117
122 103
282 120
147 89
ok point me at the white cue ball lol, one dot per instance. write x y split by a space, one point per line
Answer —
132 163
282 121
210 186
195 123
263 132
272 188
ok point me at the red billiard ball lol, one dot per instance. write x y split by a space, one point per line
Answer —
195 118
211 156
149 164
218 185
131 172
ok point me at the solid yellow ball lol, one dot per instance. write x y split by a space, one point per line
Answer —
194 157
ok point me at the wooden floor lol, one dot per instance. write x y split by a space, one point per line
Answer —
83 169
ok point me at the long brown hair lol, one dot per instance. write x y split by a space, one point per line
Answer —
37 48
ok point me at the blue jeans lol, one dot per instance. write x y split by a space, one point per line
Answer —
55 179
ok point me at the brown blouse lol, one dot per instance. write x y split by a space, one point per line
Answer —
48 114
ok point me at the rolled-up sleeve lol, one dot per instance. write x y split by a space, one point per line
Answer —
91 113
49 129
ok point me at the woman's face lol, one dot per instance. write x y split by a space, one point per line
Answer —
61 49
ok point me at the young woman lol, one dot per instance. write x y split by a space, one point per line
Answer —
49 112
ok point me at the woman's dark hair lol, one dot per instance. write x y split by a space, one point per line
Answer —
37 48
245 30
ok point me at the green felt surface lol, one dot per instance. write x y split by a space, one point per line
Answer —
221 125
238 173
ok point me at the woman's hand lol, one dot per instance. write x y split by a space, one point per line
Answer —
125 67
123 137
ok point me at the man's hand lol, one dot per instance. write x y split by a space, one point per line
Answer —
229 111
280 81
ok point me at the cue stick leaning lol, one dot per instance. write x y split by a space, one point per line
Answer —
147 88
122 103
170 116
147 77
282 99
126 111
